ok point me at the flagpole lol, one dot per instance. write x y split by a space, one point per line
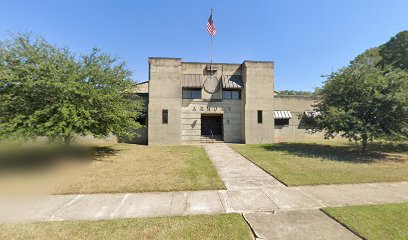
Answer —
212 44
212 49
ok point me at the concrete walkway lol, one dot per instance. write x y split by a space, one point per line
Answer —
273 210
302 224
236 171
266 199
111 206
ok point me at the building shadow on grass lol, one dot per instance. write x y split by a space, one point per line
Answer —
34 158
343 153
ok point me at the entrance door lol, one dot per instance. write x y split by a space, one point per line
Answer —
211 125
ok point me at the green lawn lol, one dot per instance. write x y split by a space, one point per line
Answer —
136 168
226 226
329 162
388 221
111 169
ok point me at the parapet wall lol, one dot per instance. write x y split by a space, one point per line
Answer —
297 129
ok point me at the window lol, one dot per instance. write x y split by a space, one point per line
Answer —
226 94
186 94
165 116
259 116
231 94
191 93
236 95
282 121
196 94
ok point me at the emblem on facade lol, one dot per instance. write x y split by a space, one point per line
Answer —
211 84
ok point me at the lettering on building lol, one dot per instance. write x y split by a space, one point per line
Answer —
210 109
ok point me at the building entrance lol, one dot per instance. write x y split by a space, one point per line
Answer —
211 126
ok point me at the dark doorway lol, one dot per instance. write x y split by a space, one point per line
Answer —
211 125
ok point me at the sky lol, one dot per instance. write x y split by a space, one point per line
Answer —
305 39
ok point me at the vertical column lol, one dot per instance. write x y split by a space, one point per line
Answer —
258 95
164 94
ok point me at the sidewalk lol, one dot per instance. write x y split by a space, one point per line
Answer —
267 205
111 206
266 199
249 188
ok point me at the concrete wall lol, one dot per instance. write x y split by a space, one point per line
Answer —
164 93
297 129
211 103
222 69
142 87
239 116
191 119
258 94
110 139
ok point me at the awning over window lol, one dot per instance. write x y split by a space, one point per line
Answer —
232 82
192 81
312 114
282 114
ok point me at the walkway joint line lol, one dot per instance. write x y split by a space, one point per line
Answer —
392 192
122 202
66 205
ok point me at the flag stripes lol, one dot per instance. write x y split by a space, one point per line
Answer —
211 27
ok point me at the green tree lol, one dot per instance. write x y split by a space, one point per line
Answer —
362 102
369 57
395 51
294 92
47 91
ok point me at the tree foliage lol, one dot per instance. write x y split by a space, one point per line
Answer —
47 91
395 51
294 92
369 57
365 100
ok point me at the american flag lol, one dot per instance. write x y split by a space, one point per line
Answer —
210 26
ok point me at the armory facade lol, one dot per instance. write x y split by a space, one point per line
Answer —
190 103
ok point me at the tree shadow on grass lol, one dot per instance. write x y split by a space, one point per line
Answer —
389 147
343 153
34 158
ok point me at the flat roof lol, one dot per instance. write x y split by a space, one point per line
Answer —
164 58
259 61
209 63
214 63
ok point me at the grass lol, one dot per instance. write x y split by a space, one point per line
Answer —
329 162
114 169
388 221
136 168
32 157
226 226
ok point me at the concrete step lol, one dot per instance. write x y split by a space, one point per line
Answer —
212 139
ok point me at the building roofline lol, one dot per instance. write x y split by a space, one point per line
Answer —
294 96
142 82
259 61
213 63
165 58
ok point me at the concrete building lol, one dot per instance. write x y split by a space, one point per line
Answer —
191 102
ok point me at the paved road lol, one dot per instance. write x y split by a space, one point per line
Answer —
267 205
